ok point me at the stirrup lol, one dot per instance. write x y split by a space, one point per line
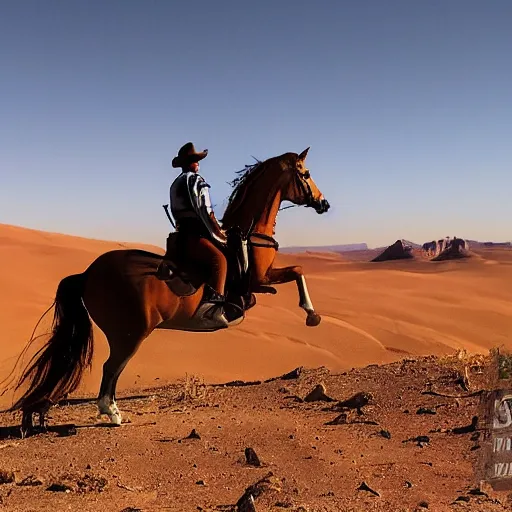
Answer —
211 316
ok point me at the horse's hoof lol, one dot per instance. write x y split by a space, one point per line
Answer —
313 319
116 419
105 407
115 415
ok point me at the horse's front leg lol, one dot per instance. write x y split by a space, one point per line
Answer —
288 274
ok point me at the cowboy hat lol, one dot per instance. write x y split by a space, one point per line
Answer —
188 154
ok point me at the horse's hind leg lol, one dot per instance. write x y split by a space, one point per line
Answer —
122 350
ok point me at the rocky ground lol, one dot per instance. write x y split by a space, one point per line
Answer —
397 446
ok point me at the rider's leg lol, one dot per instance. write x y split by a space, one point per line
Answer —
202 250
218 263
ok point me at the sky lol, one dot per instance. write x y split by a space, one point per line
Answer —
406 105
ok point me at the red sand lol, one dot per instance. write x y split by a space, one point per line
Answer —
371 313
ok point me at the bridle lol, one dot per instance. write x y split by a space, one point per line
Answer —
306 188
270 242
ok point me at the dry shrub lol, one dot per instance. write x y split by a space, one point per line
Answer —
193 388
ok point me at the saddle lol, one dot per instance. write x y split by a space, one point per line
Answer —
184 278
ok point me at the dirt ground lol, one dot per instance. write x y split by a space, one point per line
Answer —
306 462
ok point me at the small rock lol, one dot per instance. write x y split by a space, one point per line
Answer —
466 499
339 420
385 433
30 481
59 488
423 504
90 483
408 484
423 441
365 487
294 374
420 440
268 483
131 509
193 435
251 457
317 394
241 383
357 401
6 477
200 482
425 410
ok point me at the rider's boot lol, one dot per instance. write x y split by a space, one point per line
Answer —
220 309
212 307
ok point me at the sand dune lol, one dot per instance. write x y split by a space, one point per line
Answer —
371 314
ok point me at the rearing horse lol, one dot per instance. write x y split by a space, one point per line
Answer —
121 291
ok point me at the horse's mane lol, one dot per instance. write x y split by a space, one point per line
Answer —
268 188
241 184
238 184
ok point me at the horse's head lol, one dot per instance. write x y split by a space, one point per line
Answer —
281 178
301 189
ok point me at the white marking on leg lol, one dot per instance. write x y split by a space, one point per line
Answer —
305 303
115 416
110 409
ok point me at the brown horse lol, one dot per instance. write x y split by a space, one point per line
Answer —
123 293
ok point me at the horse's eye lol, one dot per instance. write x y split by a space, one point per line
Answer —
306 175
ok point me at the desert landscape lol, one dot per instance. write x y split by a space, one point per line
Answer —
390 330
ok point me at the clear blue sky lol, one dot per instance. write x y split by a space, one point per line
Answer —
407 107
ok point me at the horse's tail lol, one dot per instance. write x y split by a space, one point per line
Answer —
56 369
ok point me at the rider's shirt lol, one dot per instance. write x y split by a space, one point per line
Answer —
190 203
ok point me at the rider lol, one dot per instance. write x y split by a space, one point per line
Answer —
198 229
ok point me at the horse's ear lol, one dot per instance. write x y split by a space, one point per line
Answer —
303 155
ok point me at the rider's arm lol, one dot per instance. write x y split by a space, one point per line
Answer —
205 194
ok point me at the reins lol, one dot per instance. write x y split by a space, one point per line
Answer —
267 241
